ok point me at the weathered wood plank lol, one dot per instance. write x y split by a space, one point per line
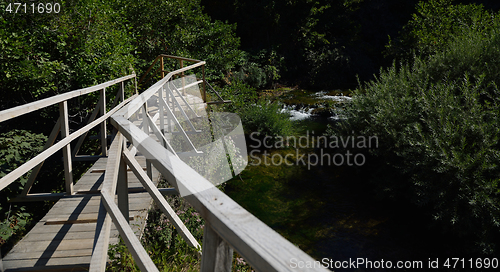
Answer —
133 244
81 219
56 254
104 135
68 167
67 262
217 254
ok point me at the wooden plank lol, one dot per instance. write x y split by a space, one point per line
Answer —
62 245
204 95
104 170
113 165
217 254
18 172
103 228
160 201
81 261
86 158
23 109
53 264
68 168
104 134
89 208
101 241
82 219
59 236
140 255
49 230
122 189
56 254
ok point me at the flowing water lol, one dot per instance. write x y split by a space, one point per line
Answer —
330 211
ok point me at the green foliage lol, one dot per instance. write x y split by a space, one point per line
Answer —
179 28
46 54
260 70
267 119
257 114
437 23
437 121
16 147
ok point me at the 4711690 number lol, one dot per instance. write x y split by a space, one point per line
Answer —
33 8
472 263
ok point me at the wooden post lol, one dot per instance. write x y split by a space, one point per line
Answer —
167 100
122 189
161 112
217 254
68 168
204 85
122 91
149 168
182 78
145 125
135 83
104 136
162 68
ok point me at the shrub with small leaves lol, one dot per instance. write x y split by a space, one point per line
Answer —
438 125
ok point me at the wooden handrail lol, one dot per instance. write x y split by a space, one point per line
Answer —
33 106
62 126
21 170
161 68
137 103
228 225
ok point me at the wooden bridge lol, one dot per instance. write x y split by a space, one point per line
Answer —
112 198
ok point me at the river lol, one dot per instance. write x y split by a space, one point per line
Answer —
332 212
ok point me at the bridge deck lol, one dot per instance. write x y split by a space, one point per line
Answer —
63 239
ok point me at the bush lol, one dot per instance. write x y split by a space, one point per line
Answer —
257 114
267 119
438 125
435 25
16 147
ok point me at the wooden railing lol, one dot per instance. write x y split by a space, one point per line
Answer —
62 126
227 225
161 70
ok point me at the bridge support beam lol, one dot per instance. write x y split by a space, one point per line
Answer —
104 135
217 255
68 168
